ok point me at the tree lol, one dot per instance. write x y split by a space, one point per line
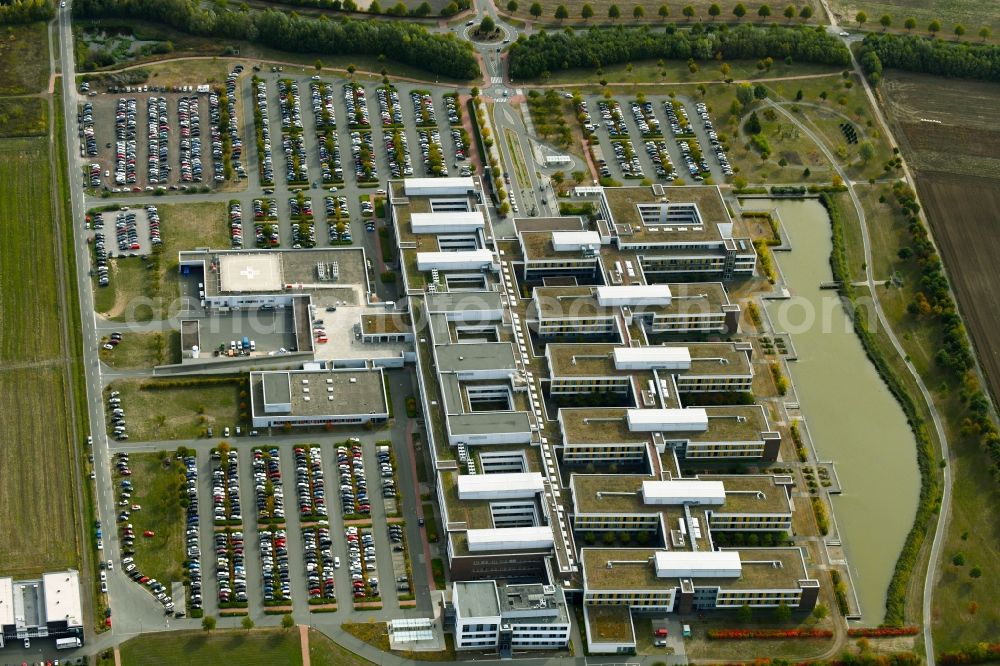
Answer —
764 11
247 623
318 65
740 10
934 27
488 26
614 12
512 6
725 70
287 621
351 69
638 12
806 13
885 21
789 12
820 611
424 9
375 7
744 93
958 560
474 92
861 17
782 613
714 10
562 12
975 572
744 614
867 151
752 125
984 33
586 12
959 30
688 12
664 12
910 23
208 622
535 9
759 92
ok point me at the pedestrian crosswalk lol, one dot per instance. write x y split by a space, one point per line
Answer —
496 79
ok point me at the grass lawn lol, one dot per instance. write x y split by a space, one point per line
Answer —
437 568
140 293
23 116
24 50
647 72
177 413
35 428
325 652
261 647
157 486
144 350
700 647
39 533
845 102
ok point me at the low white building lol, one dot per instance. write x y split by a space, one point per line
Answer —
312 398
45 608
491 615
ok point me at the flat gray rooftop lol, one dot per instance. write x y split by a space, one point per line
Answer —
483 423
482 356
321 393
477 599
459 301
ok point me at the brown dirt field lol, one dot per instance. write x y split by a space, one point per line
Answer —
940 135
955 206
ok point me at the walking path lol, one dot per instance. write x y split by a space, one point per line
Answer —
303 641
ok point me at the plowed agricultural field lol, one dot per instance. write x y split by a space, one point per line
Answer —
949 131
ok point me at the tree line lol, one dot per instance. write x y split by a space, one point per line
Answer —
914 53
406 43
399 9
26 11
545 52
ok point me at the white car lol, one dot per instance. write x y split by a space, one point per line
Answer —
844 33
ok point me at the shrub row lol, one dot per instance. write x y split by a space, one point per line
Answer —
882 632
980 653
840 591
739 634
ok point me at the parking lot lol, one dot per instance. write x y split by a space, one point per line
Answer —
655 138
286 550
145 138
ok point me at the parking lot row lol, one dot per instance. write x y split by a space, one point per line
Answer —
341 125
298 552
671 145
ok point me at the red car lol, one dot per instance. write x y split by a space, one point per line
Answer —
107 622
149 533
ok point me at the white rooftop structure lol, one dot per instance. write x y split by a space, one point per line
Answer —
509 538
569 241
667 420
647 358
62 597
499 486
461 260
438 186
6 602
634 294
697 564
258 272
447 222
674 492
